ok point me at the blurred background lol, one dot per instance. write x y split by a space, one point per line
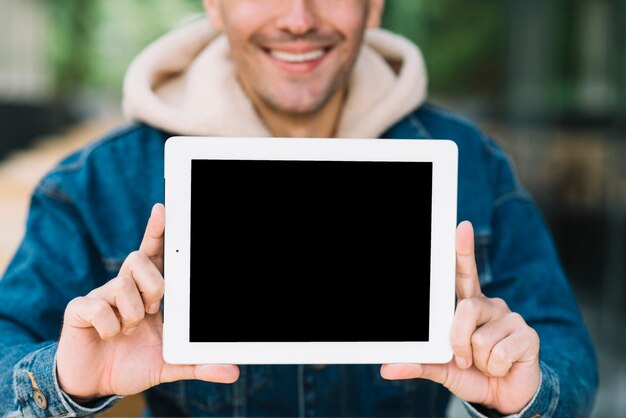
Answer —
547 79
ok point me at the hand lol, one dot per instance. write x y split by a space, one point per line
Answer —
496 354
111 341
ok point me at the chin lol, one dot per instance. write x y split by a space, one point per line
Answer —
301 110
300 105
294 99
296 108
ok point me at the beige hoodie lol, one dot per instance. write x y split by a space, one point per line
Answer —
185 83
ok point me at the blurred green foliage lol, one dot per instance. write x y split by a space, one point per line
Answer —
462 42
92 42
488 48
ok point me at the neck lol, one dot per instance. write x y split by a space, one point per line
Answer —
321 124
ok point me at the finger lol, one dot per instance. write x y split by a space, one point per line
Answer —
217 373
400 371
487 336
470 314
83 312
152 243
469 385
435 372
521 346
122 293
467 284
148 279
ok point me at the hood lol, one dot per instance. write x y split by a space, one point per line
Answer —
185 83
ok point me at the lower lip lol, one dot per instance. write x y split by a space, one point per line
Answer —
299 68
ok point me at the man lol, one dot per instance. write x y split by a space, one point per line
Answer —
303 68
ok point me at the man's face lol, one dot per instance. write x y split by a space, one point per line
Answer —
294 55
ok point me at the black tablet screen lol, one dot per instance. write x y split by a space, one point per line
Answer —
310 251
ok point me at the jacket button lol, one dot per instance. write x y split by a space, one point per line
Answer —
40 399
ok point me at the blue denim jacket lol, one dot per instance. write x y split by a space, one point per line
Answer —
90 212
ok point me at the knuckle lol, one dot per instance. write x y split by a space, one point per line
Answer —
470 305
500 304
109 333
123 283
134 259
74 303
73 306
100 307
499 354
464 305
133 318
467 275
458 346
498 369
479 340
134 313
161 286
155 286
533 336
517 319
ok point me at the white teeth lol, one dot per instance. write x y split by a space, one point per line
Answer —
297 58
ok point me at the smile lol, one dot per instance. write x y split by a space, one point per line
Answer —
291 57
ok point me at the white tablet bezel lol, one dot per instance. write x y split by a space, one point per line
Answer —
180 151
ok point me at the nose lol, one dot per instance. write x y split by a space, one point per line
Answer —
299 18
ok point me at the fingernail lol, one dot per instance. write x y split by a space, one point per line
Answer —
462 363
154 308
131 331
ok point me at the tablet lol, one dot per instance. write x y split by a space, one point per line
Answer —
309 251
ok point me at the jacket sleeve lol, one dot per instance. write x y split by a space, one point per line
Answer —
55 262
528 275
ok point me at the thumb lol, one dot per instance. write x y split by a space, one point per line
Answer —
467 283
152 242
216 373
